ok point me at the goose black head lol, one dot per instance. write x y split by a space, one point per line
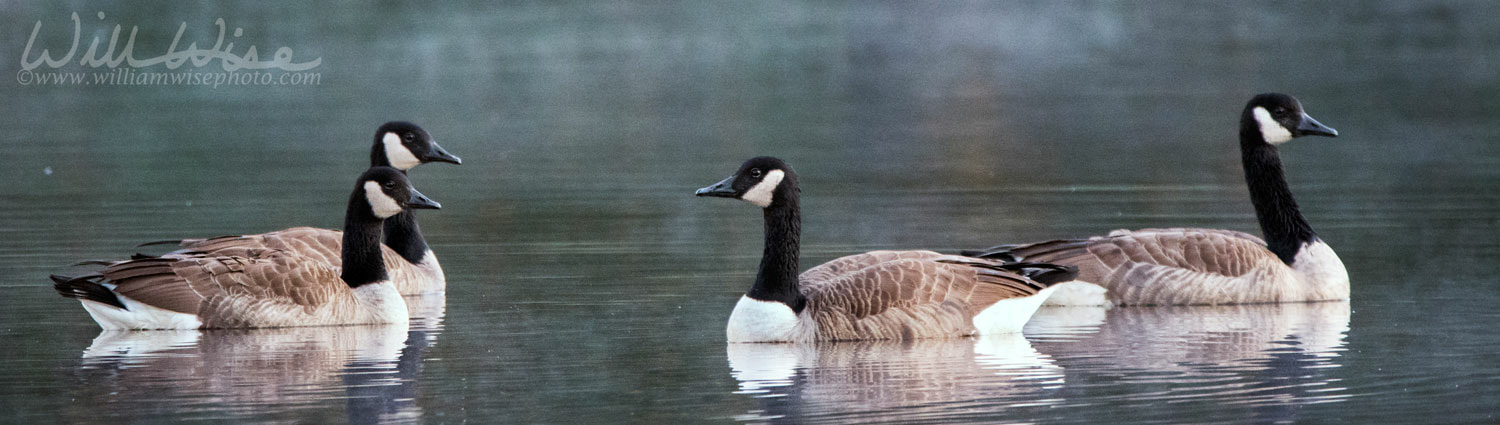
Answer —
1279 118
762 181
388 192
404 145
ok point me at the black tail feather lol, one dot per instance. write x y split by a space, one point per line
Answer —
1047 273
105 263
162 242
998 252
85 287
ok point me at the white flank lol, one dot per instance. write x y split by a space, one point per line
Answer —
398 154
1009 315
380 203
1271 130
761 194
138 316
1078 293
761 321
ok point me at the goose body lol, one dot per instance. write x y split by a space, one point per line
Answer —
265 289
413 266
423 276
260 287
1182 266
877 295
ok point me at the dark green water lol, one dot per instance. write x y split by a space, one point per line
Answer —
587 285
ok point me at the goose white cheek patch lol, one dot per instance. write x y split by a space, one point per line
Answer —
1271 130
380 203
398 154
761 194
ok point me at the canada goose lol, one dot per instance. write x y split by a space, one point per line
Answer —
875 295
260 287
1208 266
413 266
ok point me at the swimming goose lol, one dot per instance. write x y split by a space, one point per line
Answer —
1209 266
260 287
875 295
413 266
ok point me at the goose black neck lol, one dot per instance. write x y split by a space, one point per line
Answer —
777 279
361 251
1281 222
404 236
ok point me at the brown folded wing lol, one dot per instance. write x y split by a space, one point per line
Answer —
1168 266
905 294
323 245
320 244
206 285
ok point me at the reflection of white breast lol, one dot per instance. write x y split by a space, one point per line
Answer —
426 311
759 367
379 344
1180 337
335 344
922 377
253 371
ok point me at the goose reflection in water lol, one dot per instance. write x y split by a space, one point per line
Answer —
1268 359
840 378
1151 363
284 373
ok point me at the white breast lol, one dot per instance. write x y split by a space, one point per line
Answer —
420 278
761 321
1320 269
383 303
431 274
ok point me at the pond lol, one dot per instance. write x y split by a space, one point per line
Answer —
586 284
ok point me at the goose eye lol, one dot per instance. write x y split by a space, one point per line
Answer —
1280 111
407 137
755 173
388 185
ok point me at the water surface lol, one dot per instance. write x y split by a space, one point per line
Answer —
587 285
